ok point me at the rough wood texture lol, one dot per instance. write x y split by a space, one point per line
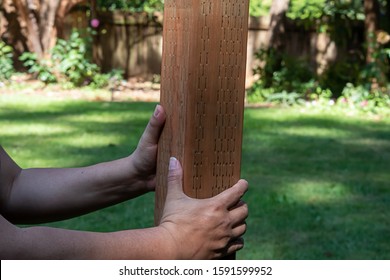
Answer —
202 91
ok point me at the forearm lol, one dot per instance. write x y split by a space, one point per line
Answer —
53 243
41 195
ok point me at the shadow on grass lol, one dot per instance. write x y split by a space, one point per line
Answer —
319 185
90 132
72 133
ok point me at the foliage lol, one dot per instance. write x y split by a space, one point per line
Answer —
376 72
73 63
258 8
286 98
337 18
346 69
306 9
109 80
362 98
6 62
257 93
312 10
133 6
282 71
288 79
42 69
70 64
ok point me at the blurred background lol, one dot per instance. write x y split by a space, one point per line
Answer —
80 79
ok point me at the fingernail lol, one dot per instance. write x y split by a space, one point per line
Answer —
157 111
172 163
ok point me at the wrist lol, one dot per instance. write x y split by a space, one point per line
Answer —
138 177
172 251
120 178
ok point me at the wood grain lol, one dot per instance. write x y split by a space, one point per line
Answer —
202 91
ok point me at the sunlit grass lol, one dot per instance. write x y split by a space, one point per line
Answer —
319 181
320 185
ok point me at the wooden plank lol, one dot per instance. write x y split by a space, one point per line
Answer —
202 91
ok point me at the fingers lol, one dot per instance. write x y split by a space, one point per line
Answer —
238 216
239 213
232 196
235 245
236 242
153 129
175 178
239 230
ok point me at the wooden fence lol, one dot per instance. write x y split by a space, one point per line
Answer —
133 42
130 42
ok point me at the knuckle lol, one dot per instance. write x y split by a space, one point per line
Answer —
245 209
174 176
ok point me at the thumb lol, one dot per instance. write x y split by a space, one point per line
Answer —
153 130
175 178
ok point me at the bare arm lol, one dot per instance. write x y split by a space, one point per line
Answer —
190 229
53 243
43 195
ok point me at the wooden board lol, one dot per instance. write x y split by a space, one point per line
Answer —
202 91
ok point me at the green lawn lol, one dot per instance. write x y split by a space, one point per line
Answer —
319 182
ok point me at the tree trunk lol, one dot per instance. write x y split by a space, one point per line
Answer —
28 25
47 26
32 25
276 28
63 9
371 8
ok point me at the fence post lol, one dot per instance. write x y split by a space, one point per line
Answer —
202 91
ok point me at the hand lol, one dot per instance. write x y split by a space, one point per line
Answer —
203 228
145 156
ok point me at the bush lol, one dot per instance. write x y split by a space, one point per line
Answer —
283 79
6 63
133 6
258 93
258 8
290 81
361 98
41 69
283 72
376 73
111 80
69 64
71 60
344 70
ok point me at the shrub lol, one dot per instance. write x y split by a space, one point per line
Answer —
134 5
41 69
70 64
6 63
111 80
361 98
259 8
281 75
71 60
283 72
376 73
258 93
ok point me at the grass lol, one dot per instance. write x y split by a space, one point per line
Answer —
319 181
